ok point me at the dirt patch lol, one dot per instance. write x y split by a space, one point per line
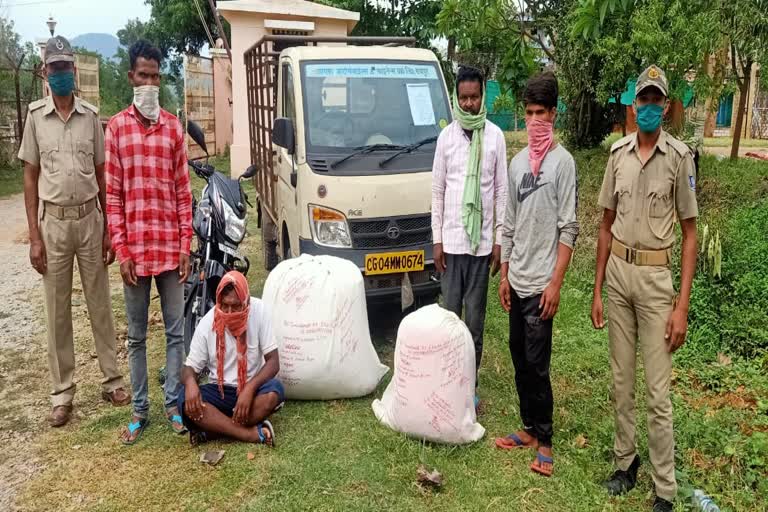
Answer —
22 354
704 463
737 399
24 381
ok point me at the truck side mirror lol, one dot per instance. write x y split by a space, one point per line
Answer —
283 134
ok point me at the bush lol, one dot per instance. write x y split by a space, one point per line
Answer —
732 313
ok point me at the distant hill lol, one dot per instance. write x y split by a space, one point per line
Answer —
105 44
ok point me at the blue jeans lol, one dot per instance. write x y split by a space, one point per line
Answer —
137 311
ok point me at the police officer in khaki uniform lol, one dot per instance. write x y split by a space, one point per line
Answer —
64 190
649 182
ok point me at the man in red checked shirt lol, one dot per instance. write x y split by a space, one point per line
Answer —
149 207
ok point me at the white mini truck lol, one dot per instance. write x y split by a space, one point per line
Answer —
343 134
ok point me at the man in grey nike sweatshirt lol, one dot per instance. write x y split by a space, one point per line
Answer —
538 236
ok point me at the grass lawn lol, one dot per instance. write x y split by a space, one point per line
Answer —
11 179
335 456
725 142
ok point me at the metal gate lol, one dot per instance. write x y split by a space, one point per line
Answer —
88 78
760 116
199 102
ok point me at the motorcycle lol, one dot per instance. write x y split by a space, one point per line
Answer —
218 220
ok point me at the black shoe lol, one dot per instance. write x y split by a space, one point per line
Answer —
662 505
622 482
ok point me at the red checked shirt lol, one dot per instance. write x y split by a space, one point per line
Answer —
149 202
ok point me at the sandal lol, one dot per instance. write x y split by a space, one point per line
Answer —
197 438
133 428
175 419
269 441
513 441
538 465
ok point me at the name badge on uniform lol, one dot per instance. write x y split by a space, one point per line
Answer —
692 182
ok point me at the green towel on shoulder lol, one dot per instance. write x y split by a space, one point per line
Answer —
472 207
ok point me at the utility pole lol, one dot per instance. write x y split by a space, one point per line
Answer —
223 35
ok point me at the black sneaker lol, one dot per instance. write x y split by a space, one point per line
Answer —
662 505
622 482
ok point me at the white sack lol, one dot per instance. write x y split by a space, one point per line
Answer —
320 321
431 395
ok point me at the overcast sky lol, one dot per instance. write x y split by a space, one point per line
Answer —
74 17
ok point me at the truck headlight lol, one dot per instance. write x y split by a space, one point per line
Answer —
234 227
329 227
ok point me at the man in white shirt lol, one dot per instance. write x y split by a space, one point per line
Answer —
469 192
234 342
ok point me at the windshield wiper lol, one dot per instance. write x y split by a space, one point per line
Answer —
408 149
361 150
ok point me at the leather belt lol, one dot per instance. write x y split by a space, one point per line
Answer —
639 257
69 212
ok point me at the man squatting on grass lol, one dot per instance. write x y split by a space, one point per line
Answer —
538 236
234 341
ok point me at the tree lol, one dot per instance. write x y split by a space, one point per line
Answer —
682 35
395 18
115 91
175 25
13 55
508 40
745 24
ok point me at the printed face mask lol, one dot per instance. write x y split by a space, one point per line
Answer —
146 99
541 136
649 117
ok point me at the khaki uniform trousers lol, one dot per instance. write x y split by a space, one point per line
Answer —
64 240
640 300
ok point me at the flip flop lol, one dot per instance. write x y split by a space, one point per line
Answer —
133 427
264 440
176 418
503 443
197 438
542 459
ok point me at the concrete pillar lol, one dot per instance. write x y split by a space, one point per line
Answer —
751 99
222 91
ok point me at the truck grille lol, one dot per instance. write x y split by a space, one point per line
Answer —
391 233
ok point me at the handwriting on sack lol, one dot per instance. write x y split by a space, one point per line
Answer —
344 322
297 290
450 354
443 413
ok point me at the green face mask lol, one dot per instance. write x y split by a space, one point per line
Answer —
649 117
62 83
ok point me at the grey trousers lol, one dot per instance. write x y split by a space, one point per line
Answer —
137 300
465 290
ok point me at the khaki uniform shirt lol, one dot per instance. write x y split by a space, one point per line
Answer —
646 197
67 151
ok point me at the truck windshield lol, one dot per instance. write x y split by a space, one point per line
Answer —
350 104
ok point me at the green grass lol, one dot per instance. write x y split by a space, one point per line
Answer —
709 142
725 142
11 179
335 456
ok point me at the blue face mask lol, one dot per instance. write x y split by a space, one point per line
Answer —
62 83
649 117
